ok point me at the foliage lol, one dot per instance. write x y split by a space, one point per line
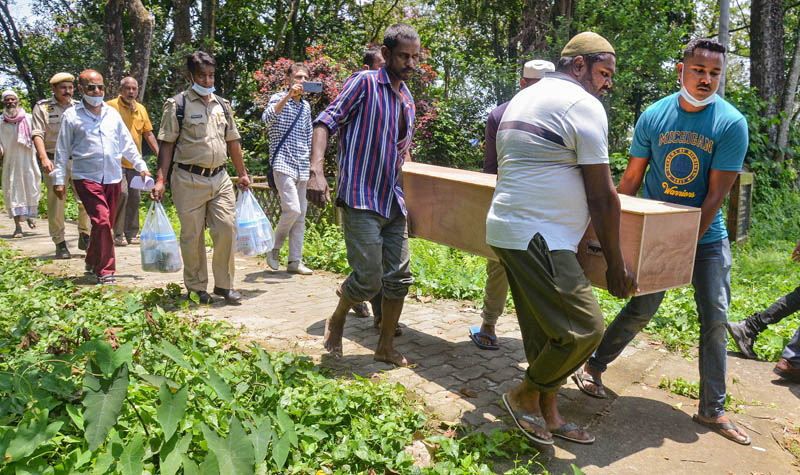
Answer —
104 382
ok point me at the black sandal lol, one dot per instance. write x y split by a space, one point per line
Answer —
721 427
581 376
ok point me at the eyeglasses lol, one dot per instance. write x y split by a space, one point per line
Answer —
92 87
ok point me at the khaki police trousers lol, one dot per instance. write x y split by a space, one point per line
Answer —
55 208
200 200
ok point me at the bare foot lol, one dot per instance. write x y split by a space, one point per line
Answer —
484 340
393 357
334 328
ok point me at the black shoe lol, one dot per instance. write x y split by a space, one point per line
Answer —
203 297
62 252
230 295
88 268
744 341
83 241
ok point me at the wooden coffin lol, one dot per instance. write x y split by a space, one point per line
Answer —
658 243
449 206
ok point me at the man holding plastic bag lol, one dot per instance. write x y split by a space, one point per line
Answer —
253 229
198 126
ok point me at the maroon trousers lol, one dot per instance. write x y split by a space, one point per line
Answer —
100 202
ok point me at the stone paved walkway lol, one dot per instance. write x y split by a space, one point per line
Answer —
640 429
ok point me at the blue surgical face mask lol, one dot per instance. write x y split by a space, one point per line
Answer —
691 100
93 101
203 91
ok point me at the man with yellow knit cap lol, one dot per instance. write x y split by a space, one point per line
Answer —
553 177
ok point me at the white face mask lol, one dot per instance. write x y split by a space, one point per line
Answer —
203 91
93 101
691 100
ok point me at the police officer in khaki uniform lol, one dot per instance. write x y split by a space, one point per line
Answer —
46 124
201 188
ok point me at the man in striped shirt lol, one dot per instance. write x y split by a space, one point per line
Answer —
374 115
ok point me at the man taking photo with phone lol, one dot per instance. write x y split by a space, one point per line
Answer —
288 118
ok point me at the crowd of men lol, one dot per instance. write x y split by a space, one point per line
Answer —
548 147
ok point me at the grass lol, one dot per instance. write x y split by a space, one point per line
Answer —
95 380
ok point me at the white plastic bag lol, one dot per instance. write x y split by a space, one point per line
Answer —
253 229
160 250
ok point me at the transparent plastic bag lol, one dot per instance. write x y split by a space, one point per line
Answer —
159 245
253 229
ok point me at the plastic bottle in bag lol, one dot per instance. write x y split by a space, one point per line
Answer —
253 229
159 245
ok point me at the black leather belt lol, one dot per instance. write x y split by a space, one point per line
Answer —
200 170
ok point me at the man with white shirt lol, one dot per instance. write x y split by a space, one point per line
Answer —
96 139
553 177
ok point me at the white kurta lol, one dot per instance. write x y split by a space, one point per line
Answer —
22 180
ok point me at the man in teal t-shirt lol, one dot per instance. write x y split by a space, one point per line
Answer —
694 143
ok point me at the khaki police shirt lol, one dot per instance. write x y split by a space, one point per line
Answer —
206 130
47 121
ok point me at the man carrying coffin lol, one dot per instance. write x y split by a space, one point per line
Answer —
694 142
553 176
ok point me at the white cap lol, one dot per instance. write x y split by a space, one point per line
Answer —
535 69
9 92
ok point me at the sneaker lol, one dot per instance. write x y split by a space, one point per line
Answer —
62 252
297 267
120 241
83 241
274 259
741 336
134 240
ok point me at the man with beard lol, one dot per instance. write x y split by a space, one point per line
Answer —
94 137
694 143
47 115
374 114
554 176
22 181
134 114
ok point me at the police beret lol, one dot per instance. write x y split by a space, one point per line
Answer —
61 77
586 43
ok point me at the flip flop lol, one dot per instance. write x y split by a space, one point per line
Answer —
720 428
569 427
17 234
580 376
475 332
530 419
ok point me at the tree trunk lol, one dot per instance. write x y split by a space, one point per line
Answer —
789 95
209 26
115 47
181 24
766 54
143 23
15 44
535 26
724 38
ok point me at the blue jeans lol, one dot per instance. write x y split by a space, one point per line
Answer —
792 350
712 295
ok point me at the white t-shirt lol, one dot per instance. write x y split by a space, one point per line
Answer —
548 131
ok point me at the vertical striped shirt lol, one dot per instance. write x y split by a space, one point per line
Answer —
367 114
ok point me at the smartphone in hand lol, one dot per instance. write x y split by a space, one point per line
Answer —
312 86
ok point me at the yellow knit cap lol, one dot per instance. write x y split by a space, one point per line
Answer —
586 43
61 77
